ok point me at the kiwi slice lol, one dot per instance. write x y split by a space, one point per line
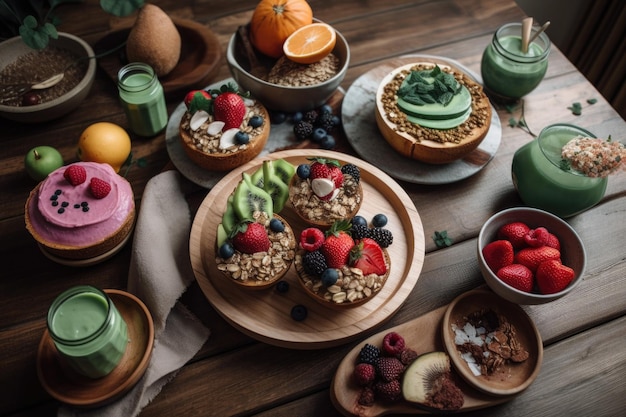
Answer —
249 198
426 377
284 170
257 177
275 186
222 235
229 218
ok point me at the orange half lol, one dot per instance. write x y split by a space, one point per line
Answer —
310 43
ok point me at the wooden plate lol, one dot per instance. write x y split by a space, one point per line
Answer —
265 315
199 57
359 124
71 388
512 377
423 335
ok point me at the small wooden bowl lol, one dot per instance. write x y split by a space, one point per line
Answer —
319 295
511 378
261 285
430 151
69 387
226 161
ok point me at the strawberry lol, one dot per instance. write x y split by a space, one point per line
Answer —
75 174
364 374
99 188
250 237
319 169
367 255
498 253
537 237
514 232
336 248
553 241
311 239
532 257
393 344
517 276
389 368
336 175
229 108
552 276
197 100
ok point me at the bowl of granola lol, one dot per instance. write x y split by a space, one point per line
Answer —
282 85
21 65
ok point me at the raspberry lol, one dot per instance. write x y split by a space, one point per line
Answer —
383 237
393 344
311 239
99 188
389 368
366 397
364 374
369 354
388 390
75 174
314 263
352 170
303 130
407 356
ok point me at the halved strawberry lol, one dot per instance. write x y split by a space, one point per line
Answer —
75 174
99 188
368 256
497 254
251 237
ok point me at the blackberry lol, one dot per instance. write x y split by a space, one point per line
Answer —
325 121
369 354
352 170
310 116
359 231
383 237
302 130
314 263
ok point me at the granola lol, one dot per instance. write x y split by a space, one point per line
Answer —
311 208
291 74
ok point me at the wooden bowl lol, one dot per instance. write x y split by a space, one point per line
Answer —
318 293
426 150
67 386
510 378
226 161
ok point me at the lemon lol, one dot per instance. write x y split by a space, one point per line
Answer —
104 142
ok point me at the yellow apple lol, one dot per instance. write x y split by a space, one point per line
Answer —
104 142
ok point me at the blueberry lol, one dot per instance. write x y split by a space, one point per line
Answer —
297 116
255 121
278 117
318 135
328 142
276 225
282 287
226 250
303 171
359 220
242 137
299 312
379 220
336 120
330 277
326 108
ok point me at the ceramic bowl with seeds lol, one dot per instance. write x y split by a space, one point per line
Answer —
21 65
352 288
262 270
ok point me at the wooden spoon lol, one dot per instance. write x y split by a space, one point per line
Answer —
527 25
541 29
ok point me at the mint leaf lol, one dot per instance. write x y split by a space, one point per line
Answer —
441 239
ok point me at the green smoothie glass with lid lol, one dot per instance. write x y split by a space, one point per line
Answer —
508 72
543 181
88 331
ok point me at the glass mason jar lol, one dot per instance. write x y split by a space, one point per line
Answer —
508 73
88 331
542 183
142 97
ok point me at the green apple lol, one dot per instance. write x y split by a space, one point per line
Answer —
42 160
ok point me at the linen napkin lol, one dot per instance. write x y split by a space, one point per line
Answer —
160 272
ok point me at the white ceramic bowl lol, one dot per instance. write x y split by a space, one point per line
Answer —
572 251
284 98
13 48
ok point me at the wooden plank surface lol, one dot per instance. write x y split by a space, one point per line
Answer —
233 374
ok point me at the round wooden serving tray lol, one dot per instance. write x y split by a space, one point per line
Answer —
265 315
69 387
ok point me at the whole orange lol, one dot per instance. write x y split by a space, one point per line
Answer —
104 142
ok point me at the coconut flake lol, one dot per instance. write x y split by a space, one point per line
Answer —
228 138
248 102
197 119
322 186
215 127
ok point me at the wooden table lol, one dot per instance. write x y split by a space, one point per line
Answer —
583 333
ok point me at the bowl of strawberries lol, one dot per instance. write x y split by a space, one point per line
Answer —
530 256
